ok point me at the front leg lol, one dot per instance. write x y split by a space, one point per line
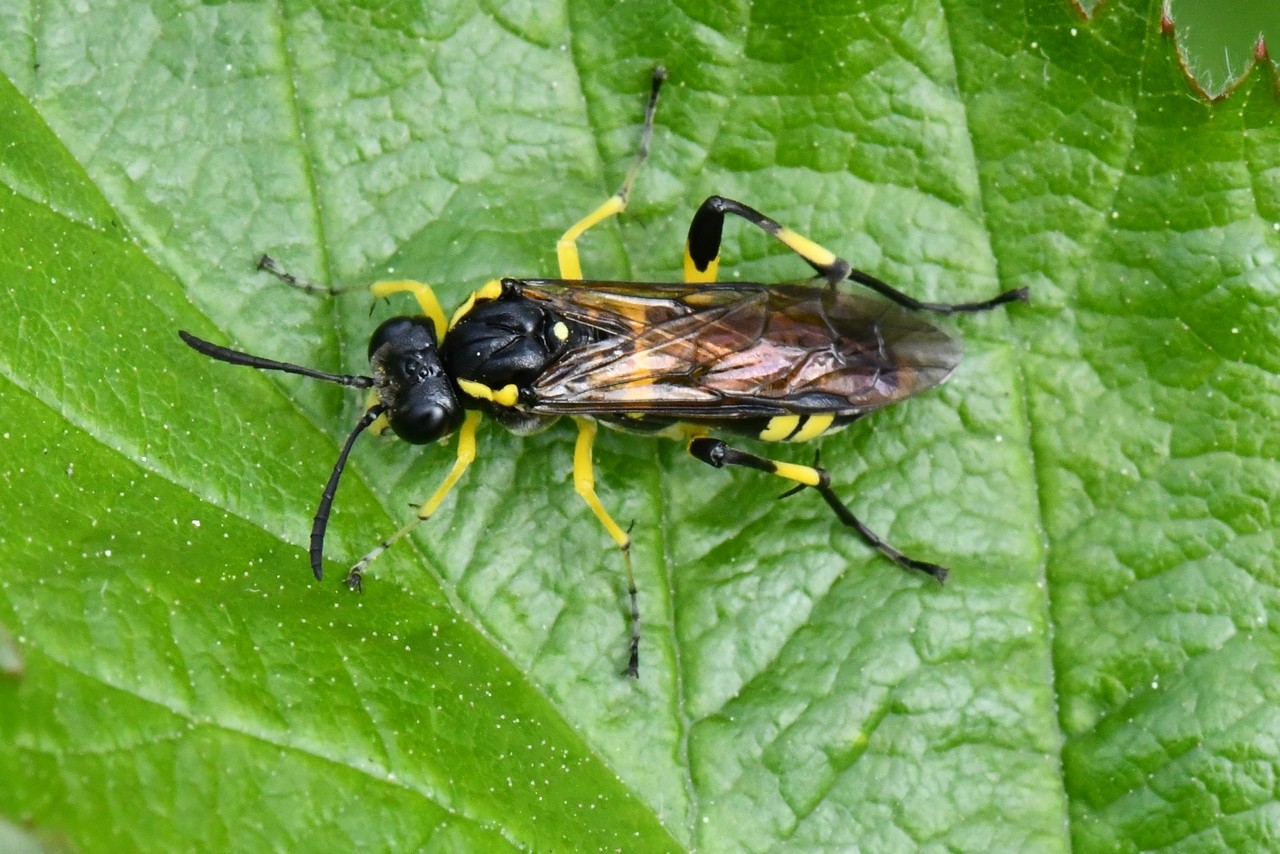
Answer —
466 455
584 483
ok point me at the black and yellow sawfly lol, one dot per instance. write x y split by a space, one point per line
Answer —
772 362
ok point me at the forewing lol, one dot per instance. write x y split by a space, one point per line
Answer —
727 351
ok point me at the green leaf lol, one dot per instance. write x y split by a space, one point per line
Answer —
1100 673
1220 42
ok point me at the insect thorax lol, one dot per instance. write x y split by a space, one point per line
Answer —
508 341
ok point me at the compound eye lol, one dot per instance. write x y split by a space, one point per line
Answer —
426 412
403 334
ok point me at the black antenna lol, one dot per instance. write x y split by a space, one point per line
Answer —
330 489
236 357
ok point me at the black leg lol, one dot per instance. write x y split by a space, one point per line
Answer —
716 453
702 258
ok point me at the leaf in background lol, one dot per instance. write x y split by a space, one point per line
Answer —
1099 673
1219 42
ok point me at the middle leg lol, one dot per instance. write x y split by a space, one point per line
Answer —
584 482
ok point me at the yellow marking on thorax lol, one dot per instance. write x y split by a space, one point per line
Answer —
508 395
491 289
560 330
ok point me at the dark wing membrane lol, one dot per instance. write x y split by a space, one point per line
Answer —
737 350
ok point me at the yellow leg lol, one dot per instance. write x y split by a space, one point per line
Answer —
567 245
270 265
585 483
466 455
426 297
422 292
702 248
702 257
